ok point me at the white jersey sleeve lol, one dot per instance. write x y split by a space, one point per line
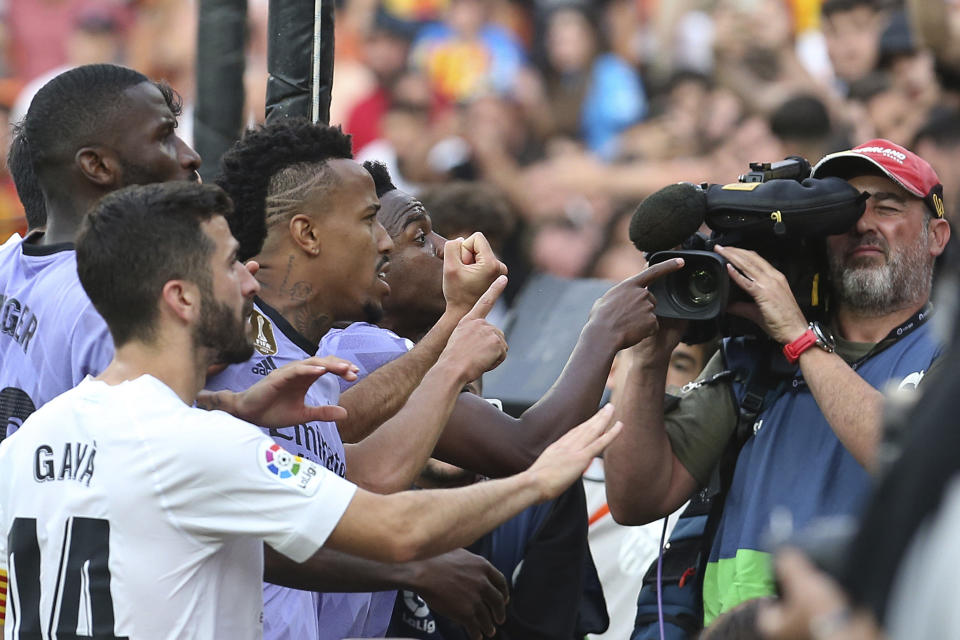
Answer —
234 480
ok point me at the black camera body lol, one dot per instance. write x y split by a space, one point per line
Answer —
775 210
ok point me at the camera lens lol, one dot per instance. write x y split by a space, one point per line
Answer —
702 286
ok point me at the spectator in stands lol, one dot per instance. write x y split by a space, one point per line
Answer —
459 209
939 142
910 66
591 93
889 111
385 54
852 29
756 54
803 126
466 54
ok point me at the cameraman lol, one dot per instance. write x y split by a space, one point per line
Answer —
814 442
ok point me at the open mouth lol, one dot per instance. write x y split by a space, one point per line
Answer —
382 270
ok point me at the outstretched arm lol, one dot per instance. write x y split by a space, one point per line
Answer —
460 585
483 439
419 524
644 478
469 266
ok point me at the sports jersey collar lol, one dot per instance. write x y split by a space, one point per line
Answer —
96 385
286 328
30 248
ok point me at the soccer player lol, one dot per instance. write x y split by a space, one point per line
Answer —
323 260
482 438
88 131
478 436
126 513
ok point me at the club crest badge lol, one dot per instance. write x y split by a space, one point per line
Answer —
263 338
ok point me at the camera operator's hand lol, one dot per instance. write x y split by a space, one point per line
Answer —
776 310
627 309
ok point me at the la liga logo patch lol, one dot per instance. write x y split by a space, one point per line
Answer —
292 470
282 463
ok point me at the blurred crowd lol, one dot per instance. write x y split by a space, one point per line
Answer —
572 110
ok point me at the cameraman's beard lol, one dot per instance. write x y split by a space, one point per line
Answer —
902 280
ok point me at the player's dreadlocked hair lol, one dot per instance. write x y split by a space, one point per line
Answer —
381 177
75 109
270 171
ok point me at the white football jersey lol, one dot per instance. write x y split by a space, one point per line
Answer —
125 513
291 614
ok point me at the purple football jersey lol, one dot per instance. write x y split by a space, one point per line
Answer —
365 345
51 337
291 614
369 347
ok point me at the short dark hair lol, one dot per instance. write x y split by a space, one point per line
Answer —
137 239
870 86
474 206
381 177
830 7
801 117
20 165
942 128
77 107
272 169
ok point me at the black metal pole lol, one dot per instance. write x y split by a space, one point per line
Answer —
290 55
218 114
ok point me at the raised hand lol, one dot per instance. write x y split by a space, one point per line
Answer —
469 267
476 345
466 588
775 310
627 309
278 399
565 460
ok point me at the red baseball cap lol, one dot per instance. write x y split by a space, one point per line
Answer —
904 167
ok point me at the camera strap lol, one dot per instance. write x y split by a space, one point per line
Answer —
913 323
910 325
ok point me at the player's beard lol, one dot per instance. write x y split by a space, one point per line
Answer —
902 279
220 330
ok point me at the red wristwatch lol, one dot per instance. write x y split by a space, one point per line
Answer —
814 335
793 350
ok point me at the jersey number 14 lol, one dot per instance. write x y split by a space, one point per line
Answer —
83 580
